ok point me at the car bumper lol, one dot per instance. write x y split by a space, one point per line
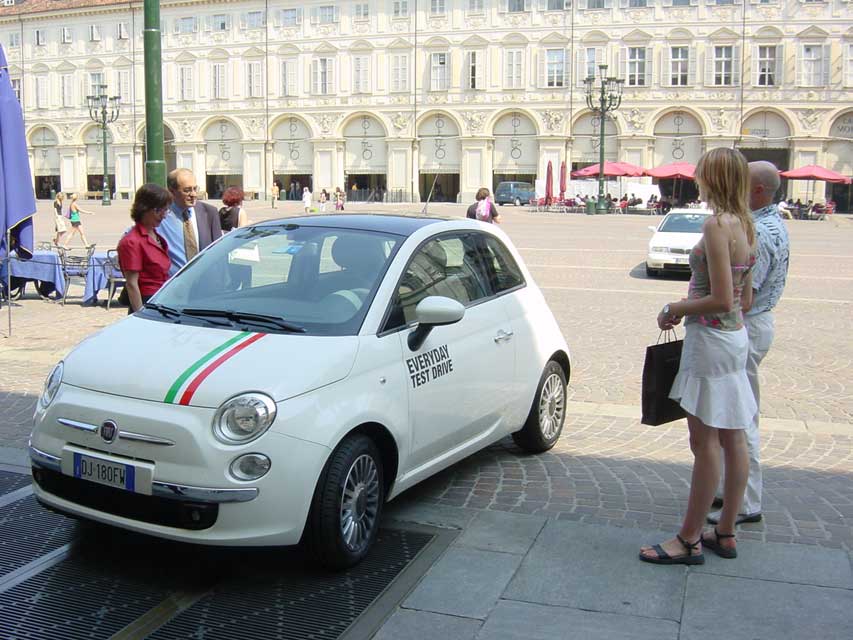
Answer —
192 496
668 262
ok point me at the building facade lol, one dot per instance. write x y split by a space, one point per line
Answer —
405 97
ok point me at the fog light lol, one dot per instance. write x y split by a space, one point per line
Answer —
250 466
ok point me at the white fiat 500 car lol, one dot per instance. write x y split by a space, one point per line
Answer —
296 375
674 237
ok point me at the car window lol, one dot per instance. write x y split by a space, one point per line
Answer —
449 266
684 223
503 271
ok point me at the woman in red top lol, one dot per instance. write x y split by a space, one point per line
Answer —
142 252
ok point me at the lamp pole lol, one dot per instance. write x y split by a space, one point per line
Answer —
609 98
104 110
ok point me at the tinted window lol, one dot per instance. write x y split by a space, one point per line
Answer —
503 270
683 223
449 267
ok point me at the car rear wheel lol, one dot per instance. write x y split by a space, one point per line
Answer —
518 202
651 273
347 504
548 413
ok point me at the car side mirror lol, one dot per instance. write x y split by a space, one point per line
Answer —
651 228
434 311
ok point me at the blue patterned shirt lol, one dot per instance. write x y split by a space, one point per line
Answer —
771 268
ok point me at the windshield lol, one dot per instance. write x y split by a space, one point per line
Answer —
283 278
683 223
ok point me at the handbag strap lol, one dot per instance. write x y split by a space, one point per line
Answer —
669 335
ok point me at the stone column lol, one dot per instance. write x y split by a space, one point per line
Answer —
253 168
806 151
400 162
328 170
476 166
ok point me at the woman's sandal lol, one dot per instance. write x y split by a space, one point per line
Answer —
686 558
714 545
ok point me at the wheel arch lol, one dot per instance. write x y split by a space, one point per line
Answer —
562 358
387 445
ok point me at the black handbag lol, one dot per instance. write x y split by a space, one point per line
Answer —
659 371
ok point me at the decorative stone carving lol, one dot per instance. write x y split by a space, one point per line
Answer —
326 121
438 23
400 25
122 129
679 15
400 121
68 131
768 13
218 36
253 125
555 19
326 29
474 120
636 119
437 98
723 15
362 27
809 118
517 19
187 128
719 118
553 119
477 21
186 40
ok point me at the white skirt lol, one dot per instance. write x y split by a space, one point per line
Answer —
711 383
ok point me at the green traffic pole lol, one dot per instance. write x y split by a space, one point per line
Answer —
601 205
155 159
105 198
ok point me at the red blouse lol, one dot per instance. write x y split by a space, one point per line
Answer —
137 251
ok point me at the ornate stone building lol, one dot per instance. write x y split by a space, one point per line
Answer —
392 93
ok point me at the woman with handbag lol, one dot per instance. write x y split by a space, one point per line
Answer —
711 385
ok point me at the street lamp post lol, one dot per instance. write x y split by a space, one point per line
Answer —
104 110
609 99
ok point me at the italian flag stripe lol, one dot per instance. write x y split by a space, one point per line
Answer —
191 388
176 386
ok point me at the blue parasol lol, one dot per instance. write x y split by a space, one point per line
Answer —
17 200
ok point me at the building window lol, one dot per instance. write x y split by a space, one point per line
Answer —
65 36
474 74
637 3
513 61
517 6
219 22
438 72
16 87
437 7
590 62
557 5
217 81
41 92
185 25
400 9
679 66
185 83
723 66
361 12
40 38
766 63
724 2
323 76
596 4
555 68
288 77
123 85
96 81
255 20
15 40
399 72
638 67
291 17
475 6
682 3
254 79
122 32
361 74
327 14
848 65
813 66
94 33
66 88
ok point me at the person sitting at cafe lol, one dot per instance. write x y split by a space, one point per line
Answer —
143 253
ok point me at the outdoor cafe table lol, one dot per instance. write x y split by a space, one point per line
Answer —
45 266
96 279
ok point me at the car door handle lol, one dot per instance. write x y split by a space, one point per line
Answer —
503 336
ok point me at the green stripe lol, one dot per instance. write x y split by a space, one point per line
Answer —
176 386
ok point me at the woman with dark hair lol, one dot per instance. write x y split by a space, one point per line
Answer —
232 214
143 253
483 209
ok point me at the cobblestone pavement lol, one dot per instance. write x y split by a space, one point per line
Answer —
607 468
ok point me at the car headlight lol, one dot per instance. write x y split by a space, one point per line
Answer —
51 386
250 466
243 418
660 249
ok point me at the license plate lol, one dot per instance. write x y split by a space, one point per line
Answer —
111 474
681 260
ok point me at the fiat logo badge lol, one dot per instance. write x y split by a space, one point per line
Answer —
108 431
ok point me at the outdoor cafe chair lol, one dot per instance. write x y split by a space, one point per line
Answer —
113 274
75 264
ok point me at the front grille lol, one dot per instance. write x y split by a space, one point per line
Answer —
152 509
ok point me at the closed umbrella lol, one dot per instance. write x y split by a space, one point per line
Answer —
563 181
549 184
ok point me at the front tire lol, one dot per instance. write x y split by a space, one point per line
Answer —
651 273
547 415
344 519
518 202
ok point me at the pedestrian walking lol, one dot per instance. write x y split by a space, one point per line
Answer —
275 191
340 197
59 226
768 282
232 214
712 384
324 198
306 200
483 209
74 212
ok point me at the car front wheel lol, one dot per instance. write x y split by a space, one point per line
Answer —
651 273
344 518
548 413
518 202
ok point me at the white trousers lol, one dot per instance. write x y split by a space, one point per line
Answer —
761 328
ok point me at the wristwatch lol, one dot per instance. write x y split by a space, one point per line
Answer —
666 311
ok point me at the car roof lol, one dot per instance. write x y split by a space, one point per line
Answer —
387 223
703 212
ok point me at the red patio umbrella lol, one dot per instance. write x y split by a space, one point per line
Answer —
615 169
682 170
814 172
549 183
563 181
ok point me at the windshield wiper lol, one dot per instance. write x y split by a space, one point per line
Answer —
162 309
241 316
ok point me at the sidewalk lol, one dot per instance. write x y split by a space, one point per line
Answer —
517 577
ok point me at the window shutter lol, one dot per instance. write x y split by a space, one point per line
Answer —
337 15
780 65
541 65
826 64
623 4
527 5
582 4
692 57
694 3
756 65
736 65
709 65
608 4
649 66
315 15
666 66
299 16
332 87
667 3
580 66
243 21
622 63
801 66
227 22
195 24
481 69
504 6
208 23
176 27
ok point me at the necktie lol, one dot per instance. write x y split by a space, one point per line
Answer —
190 241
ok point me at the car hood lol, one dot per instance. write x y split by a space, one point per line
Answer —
675 240
201 366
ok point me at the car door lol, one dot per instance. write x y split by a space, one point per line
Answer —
456 379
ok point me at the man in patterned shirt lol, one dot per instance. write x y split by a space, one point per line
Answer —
768 282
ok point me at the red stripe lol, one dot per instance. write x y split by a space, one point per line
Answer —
191 389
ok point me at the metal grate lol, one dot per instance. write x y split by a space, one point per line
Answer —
295 602
27 531
10 481
74 600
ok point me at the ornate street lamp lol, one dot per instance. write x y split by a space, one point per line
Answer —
104 110
609 99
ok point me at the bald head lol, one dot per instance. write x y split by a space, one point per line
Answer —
182 185
763 183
